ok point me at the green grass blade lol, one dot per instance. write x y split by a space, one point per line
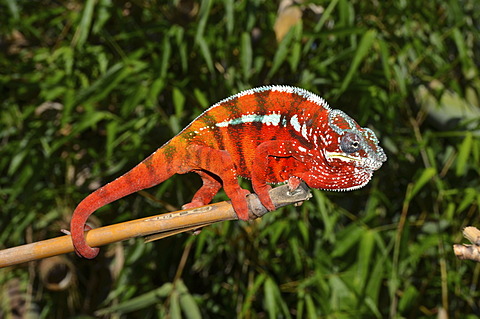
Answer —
258 282
464 154
246 55
139 302
362 51
425 177
364 256
207 56
269 289
281 53
83 29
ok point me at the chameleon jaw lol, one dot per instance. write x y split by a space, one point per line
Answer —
365 163
341 156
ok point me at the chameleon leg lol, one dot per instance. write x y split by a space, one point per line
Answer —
293 183
277 148
205 194
220 163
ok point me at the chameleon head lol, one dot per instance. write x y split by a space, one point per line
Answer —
351 154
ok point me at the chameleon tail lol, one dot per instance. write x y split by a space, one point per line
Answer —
150 172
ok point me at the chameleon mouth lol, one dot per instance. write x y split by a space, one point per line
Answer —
365 163
342 156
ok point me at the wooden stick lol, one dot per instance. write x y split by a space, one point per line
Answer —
168 224
465 251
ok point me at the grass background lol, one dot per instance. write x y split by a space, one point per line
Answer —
90 88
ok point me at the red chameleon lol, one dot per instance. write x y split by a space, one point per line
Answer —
270 134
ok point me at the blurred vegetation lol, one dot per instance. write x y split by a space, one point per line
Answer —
90 88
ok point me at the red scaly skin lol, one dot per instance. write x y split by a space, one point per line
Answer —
270 134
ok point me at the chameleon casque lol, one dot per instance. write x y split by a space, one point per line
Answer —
270 134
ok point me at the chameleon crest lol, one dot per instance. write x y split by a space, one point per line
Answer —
270 134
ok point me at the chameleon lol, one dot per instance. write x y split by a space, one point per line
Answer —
270 135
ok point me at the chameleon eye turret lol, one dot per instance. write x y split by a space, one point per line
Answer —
350 143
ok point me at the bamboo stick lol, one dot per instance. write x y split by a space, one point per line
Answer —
165 224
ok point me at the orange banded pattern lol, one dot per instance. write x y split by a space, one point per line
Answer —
270 134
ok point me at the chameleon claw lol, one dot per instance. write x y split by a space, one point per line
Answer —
266 201
193 204
264 196
270 206
240 206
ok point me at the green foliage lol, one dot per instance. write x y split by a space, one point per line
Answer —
88 89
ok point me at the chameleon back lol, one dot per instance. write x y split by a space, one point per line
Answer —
243 121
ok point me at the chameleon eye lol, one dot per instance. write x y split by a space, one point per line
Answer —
350 143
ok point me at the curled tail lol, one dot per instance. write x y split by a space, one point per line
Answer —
150 172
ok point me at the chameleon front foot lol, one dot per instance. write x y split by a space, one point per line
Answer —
239 203
193 204
264 196
293 183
